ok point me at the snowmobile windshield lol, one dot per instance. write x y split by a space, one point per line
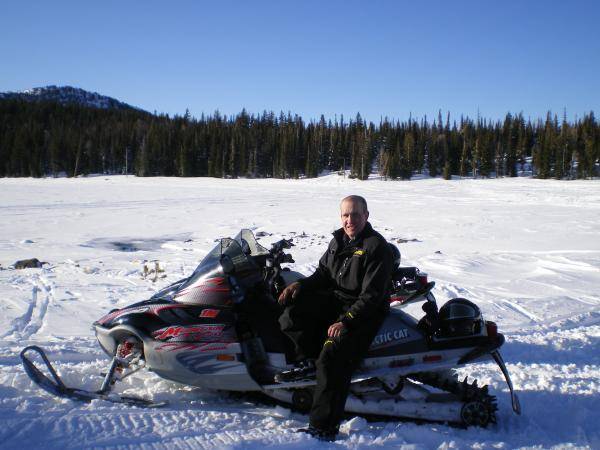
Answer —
238 249
249 244
232 257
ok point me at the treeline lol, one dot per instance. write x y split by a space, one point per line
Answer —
46 138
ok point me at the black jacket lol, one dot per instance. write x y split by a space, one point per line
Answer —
358 272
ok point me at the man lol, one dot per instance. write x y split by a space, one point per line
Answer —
333 315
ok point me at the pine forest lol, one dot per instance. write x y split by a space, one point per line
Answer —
50 139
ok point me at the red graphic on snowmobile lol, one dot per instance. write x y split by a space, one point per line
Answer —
191 333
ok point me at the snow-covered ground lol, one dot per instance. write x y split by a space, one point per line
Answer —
527 251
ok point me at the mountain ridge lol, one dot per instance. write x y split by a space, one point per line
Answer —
68 95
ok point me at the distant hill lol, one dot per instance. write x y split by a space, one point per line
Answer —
67 95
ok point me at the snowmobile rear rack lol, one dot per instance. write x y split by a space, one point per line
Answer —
55 386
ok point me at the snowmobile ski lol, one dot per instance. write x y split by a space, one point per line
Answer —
55 385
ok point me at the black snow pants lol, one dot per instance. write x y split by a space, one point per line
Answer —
306 322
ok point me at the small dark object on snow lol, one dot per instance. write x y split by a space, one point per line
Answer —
438 252
404 240
32 263
262 234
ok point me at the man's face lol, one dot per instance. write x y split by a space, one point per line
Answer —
354 218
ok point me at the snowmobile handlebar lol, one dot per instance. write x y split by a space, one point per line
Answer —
272 274
280 245
276 251
287 258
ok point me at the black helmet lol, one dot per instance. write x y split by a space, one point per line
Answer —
460 317
395 254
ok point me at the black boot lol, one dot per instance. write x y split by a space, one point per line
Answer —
322 435
304 370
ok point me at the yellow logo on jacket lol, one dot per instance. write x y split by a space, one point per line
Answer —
358 253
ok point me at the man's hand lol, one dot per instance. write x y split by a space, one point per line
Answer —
289 293
335 330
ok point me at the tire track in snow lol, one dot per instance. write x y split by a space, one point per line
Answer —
165 429
18 324
521 310
33 319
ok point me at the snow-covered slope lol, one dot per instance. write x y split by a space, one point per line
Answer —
527 251
67 95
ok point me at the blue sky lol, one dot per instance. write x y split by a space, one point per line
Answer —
379 58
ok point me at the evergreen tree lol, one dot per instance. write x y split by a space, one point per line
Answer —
409 148
47 138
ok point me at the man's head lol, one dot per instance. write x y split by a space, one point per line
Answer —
354 213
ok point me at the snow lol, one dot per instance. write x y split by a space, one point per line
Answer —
526 251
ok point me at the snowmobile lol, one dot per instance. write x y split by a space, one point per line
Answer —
218 329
